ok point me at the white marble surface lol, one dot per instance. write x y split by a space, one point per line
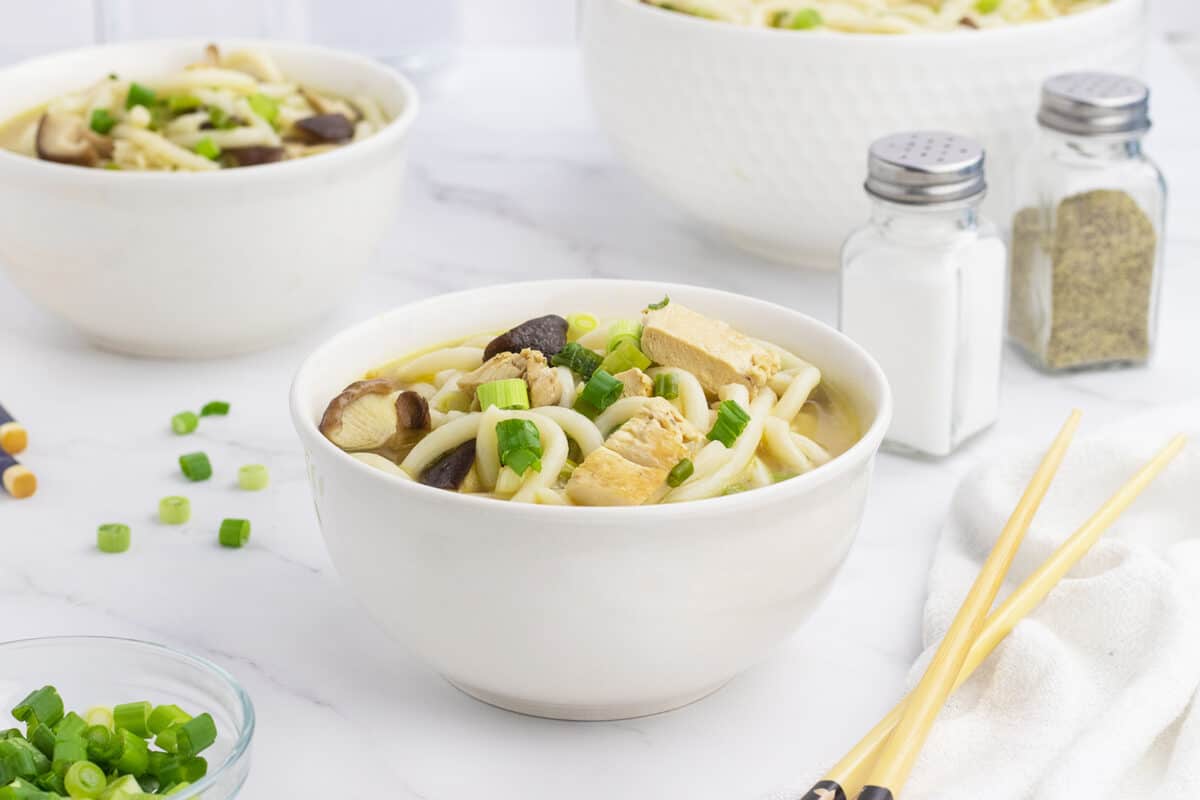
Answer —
509 180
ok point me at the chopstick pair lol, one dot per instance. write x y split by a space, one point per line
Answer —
16 479
881 762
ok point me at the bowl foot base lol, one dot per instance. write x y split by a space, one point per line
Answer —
584 713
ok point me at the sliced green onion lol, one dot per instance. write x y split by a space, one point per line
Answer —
266 107
520 445
666 385
166 739
102 121
253 477
133 717
208 148
564 474
178 103
135 753
112 165
71 726
220 120
195 466
163 717
511 393
234 532
987 6
174 510
67 752
625 356
184 422
579 324
177 769
217 408
85 779
99 715
42 737
195 736
43 707
23 759
801 19
578 359
624 330
661 304
601 390
125 787
680 473
139 96
732 419
113 537
52 782
103 745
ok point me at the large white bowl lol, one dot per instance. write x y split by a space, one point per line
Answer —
585 613
198 265
762 134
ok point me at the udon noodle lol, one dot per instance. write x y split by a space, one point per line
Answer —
228 109
879 16
670 407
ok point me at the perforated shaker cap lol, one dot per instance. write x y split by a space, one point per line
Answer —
1095 104
925 167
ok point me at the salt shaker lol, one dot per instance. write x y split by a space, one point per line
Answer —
1088 233
923 289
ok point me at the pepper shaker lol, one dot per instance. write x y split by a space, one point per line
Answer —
923 289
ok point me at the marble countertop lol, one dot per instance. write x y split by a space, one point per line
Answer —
509 180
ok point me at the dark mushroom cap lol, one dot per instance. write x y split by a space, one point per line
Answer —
333 128
253 154
64 139
413 411
449 471
546 334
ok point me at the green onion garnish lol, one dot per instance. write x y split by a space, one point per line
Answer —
666 385
179 103
67 751
176 770
139 96
124 788
234 532
216 408
174 510
84 779
195 736
579 324
625 356
660 304
987 6
511 393
195 466
564 474
71 726
99 715
41 707
601 390
163 717
680 473
265 107
102 121
578 359
520 445
113 538
732 419
135 753
133 717
184 422
220 120
624 330
208 148
801 19
253 477
103 746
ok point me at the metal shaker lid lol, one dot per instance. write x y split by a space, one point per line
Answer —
1095 104
925 167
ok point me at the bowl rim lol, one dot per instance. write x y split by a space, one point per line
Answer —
240 747
391 134
924 38
861 452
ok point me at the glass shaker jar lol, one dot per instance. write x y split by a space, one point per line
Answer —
923 289
1088 233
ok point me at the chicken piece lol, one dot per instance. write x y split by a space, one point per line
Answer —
676 336
633 463
544 388
637 383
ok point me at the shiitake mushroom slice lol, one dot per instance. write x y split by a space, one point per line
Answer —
449 471
546 334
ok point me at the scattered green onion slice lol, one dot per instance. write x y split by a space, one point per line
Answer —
102 121
177 769
184 422
624 330
164 716
234 532
67 751
625 356
208 148
666 385
520 445
220 120
265 107
135 753
564 474
801 19
195 466
680 473
133 717
195 736
84 779
579 324
253 477
178 103
139 96
661 304
43 707
732 419
601 390
215 408
100 715
71 726
124 788
174 510
113 537
511 393
578 359
103 746
987 6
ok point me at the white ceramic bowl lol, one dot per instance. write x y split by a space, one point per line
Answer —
762 134
585 613
198 265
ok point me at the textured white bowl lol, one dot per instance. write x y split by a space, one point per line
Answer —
762 134
585 613
198 265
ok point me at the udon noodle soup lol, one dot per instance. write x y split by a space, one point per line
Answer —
662 407
878 16
234 109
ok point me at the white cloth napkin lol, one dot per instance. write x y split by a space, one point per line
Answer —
1097 693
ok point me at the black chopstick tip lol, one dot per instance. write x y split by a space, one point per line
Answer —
875 793
825 790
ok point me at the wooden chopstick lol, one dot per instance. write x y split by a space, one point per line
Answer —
13 436
851 770
16 479
888 775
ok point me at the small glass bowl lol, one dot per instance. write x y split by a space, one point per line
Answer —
95 670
